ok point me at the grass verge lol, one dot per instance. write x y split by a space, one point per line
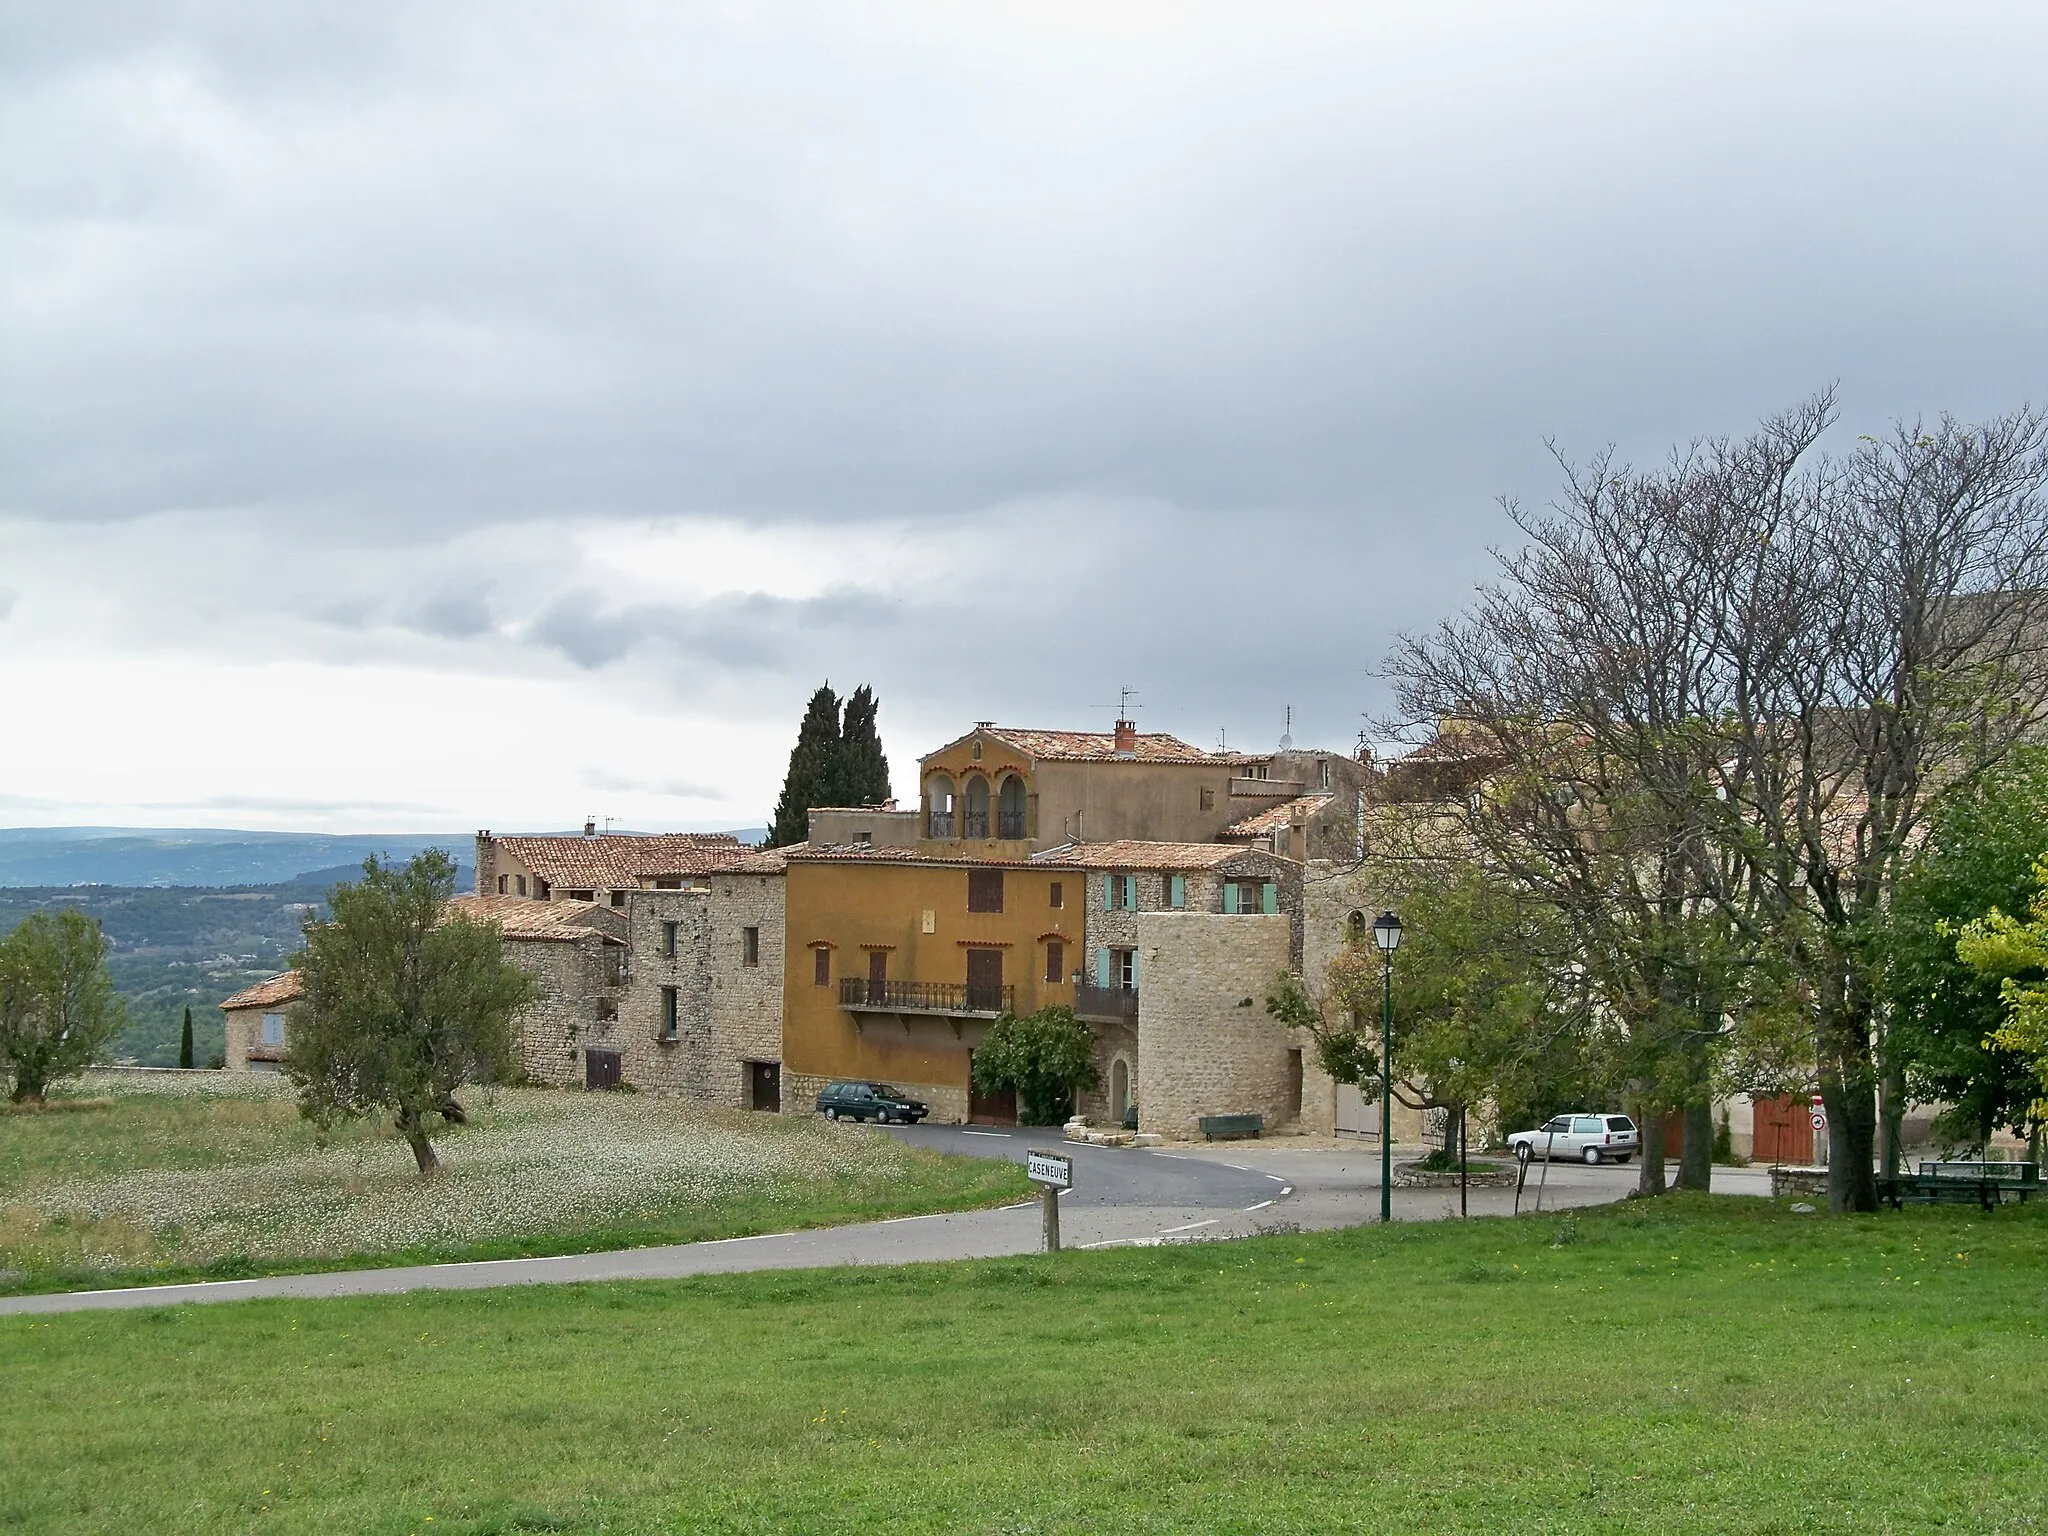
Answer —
1698 1365
204 1178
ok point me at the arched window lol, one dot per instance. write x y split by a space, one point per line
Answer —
1356 930
1010 807
974 817
938 794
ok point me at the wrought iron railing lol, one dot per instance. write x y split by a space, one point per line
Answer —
1092 1002
1010 824
974 823
941 824
925 996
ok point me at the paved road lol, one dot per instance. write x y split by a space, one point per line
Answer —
1123 1197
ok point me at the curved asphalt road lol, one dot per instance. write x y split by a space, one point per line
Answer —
1135 1197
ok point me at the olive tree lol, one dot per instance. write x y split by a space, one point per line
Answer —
58 1007
402 1003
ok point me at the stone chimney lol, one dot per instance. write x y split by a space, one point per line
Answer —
590 826
1126 739
486 862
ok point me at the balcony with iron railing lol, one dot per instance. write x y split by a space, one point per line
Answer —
1106 1005
861 994
1010 824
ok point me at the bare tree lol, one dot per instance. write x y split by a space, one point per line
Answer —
1722 696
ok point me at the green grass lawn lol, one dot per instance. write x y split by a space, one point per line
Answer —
131 1180
1699 1365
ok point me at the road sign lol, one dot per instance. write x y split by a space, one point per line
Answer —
1049 1168
1820 1120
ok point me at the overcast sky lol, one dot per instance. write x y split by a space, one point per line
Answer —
423 417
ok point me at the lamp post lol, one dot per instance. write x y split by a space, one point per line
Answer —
1386 932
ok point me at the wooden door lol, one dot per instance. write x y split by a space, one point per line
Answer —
878 976
1781 1131
601 1069
766 1084
985 980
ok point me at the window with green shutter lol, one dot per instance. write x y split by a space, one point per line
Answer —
1177 891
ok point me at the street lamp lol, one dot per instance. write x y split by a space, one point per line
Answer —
1386 932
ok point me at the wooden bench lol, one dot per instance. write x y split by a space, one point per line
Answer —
1980 1184
1231 1127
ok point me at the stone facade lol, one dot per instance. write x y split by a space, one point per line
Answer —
1115 1044
244 1015
1206 1045
727 988
581 983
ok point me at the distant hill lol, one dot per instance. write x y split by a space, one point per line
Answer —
212 856
205 856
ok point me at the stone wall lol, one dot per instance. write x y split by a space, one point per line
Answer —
577 1010
1113 1043
728 1011
1206 1045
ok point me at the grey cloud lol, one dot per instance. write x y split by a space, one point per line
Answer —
750 632
452 614
8 598
680 789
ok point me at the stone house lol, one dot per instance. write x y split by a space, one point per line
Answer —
695 1003
257 1023
1210 1071
576 952
702 1013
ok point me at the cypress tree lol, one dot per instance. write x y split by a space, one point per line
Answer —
814 770
864 769
185 1040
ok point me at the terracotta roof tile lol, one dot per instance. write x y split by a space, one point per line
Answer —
1275 818
868 853
274 993
1100 746
1132 854
518 917
620 861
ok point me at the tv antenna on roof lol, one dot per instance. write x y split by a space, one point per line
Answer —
1287 732
1124 706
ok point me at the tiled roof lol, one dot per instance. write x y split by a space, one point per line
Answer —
620 861
520 918
1132 854
274 993
869 853
1100 746
1275 818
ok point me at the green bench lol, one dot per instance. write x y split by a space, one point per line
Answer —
1231 1127
1970 1183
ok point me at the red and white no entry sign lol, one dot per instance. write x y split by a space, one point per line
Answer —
1820 1120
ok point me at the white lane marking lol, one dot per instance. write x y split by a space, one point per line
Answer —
1286 1189
999 1135
1276 1178
1179 1157
1260 1206
894 1220
1240 1167
1122 1242
1163 1231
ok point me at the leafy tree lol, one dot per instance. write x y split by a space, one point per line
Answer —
831 764
1044 1056
1476 1017
2002 946
1945 1013
403 1003
57 1003
185 1039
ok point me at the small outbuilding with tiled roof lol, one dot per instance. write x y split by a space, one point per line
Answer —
255 1021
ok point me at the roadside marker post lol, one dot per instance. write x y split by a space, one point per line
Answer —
1051 1172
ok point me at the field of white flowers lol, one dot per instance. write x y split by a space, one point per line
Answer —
531 1163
